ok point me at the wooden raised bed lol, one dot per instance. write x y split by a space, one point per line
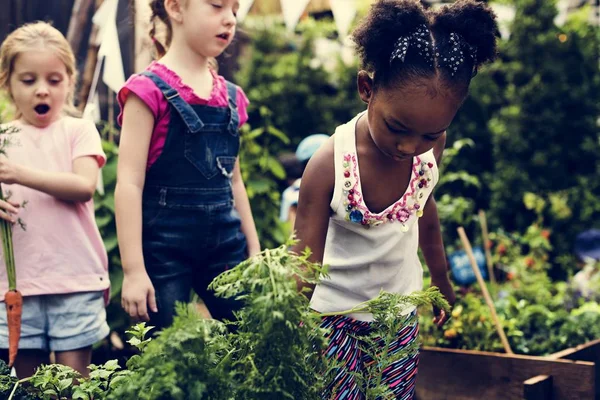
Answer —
451 374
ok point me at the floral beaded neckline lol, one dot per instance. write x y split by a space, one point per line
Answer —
401 211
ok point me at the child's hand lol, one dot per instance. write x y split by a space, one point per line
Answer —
8 171
446 289
8 209
253 250
138 295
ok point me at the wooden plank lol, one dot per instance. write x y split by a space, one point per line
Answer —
589 351
14 13
79 18
6 19
465 375
538 388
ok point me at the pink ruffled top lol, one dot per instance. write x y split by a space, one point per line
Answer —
150 94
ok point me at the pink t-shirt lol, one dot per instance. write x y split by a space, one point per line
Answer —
150 94
61 251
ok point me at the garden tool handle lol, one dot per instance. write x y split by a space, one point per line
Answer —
486 247
486 294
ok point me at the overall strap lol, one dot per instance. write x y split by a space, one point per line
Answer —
232 96
185 111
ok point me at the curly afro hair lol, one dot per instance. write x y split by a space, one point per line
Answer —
472 21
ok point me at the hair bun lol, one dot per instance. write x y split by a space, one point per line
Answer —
387 21
475 22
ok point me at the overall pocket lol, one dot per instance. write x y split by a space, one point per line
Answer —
202 148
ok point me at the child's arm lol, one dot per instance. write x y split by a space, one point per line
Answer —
312 216
138 124
78 185
242 205
432 245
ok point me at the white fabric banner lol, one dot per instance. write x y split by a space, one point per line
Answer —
91 112
344 12
106 19
245 6
292 11
506 15
562 7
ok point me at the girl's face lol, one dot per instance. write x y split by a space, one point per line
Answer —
39 85
407 122
209 25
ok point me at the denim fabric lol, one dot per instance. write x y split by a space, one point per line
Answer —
59 322
191 231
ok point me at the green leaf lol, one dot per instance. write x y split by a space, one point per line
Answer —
102 221
278 134
111 243
78 393
64 384
108 201
112 365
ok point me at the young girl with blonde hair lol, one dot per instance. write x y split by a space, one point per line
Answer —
61 263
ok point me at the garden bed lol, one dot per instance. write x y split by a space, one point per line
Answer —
464 374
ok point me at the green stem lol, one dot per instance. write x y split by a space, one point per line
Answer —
268 255
360 308
12 393
7 247
17 383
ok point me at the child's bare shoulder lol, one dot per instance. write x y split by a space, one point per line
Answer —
319 176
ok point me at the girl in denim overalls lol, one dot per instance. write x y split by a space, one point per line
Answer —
178 173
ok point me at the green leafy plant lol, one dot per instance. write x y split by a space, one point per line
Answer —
277 336
539 316
261 171
53 381
387 310
103 379
186 361
274 349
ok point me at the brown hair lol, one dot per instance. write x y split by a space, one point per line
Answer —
33 36
160 13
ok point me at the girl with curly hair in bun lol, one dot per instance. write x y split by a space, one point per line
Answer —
366 203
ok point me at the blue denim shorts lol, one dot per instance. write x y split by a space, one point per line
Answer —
59 322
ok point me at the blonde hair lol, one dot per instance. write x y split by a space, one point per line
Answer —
34 36
165 29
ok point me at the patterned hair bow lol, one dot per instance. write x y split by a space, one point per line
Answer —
420 38
456 54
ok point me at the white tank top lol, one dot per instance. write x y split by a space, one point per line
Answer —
368 252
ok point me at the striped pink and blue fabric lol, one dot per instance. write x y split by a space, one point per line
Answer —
345 346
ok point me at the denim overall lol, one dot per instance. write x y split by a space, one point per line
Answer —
191 231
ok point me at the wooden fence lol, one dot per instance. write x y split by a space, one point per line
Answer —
14 13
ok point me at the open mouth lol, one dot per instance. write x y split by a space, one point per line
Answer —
42 109
224 36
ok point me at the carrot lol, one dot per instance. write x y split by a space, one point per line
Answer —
14 309
12 298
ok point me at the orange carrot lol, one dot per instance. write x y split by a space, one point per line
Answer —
14 308
12 298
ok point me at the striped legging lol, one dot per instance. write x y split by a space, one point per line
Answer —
346 346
